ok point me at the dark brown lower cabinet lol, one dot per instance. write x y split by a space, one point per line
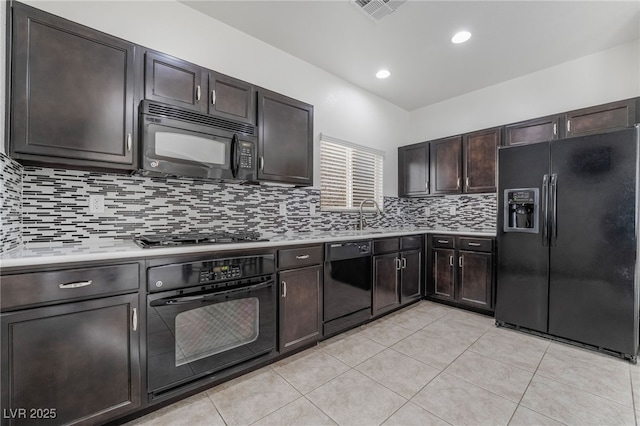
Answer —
461 271
397 277
475 278
385 282
444 273
71 363
300 307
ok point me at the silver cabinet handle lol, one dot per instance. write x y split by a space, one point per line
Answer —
213 97
555 129
450 260
302 256
460 261
198 92
568 126
398 264
458 187
135 319
284 289
129 142
404 262
467 182
261 163
474 244
76 285
443 241
426 185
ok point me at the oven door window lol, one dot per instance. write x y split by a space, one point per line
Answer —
181 144
213 329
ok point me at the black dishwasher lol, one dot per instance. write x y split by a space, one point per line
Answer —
347 285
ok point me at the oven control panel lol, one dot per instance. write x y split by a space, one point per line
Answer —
217 273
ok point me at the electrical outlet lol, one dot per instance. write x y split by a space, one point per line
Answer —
283 208
96 203
427 211
312 209
452 210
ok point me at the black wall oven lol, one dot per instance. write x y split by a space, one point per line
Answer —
205 316
186 143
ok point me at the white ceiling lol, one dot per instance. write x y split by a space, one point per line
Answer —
510 39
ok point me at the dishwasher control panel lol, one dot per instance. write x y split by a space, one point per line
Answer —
347 250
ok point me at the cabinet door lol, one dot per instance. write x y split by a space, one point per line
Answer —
410 277
413 170
475 279
71 93
300 306
480 154
601 118
231 98
444 273
446 165
175 82
532 131
80 359
385 282
285 139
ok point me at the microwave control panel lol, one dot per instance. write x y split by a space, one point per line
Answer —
246 155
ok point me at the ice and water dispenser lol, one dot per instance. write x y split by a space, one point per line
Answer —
521 210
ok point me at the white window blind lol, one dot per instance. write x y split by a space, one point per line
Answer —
349 173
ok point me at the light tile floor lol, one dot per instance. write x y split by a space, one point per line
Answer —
427 364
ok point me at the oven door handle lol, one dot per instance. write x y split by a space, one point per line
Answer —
209 296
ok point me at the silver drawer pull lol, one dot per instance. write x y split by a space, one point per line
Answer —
475 244
443 241
135 319
302 256
76 285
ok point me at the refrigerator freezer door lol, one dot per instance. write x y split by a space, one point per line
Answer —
523 259
592 293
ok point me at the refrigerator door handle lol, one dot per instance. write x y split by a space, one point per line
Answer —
545 210
554 209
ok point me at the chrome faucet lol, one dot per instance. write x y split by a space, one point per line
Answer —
363 221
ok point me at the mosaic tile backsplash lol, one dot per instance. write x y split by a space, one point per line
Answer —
10 203
55 207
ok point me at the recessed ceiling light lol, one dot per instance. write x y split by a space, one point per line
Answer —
383 74
461 37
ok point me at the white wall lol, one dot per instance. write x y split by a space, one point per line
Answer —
606 76
340 109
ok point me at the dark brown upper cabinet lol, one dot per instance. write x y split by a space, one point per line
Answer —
446 165
231 98
413 170
183 84
601 118
480 150
175 82
72 94
285 139
532 131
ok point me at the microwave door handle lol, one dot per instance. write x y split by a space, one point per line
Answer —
235 157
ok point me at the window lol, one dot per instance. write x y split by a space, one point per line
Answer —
349 173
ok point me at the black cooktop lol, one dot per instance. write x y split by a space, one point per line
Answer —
185 239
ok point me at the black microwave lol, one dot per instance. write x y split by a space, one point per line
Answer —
184 143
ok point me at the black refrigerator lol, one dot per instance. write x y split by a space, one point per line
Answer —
568 239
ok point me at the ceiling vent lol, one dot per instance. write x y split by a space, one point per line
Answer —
377 9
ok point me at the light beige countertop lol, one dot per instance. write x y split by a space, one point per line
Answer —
100 249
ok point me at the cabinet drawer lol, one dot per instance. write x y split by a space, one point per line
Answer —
298 257
82 283
475 244
442 241
387 245
412 242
